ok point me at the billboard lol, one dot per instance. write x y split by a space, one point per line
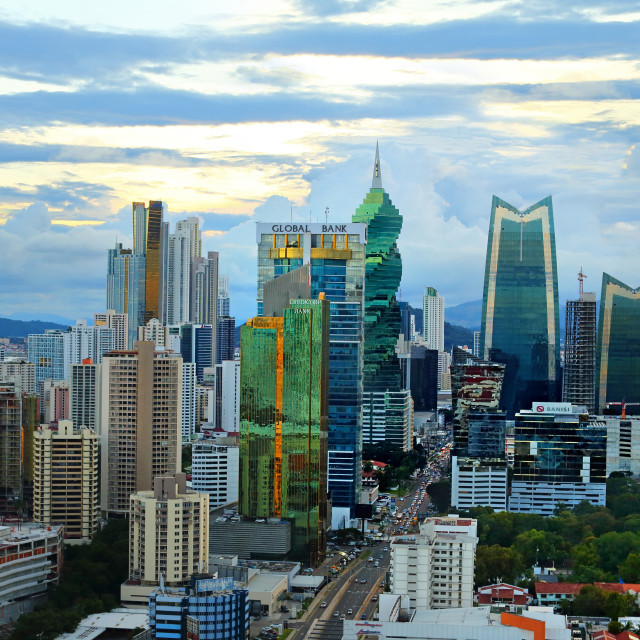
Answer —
364 510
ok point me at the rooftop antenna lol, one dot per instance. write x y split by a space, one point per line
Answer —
581 277
326 214
291 213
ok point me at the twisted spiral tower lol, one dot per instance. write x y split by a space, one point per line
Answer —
383 274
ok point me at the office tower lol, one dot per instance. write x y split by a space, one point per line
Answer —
618 343
172 518
126 289
476 344
623 444
205 289
224 296
560 457
84 395
420 374
520 322
283 423
433 319
197 344
225 339
119 322
141 401
405 319
579 373
300 261
21 372
46 351
435 570
189 401
209 609
386 405
154 331
147 232
227 396
215 469
10 449
82 342
57 401
65 479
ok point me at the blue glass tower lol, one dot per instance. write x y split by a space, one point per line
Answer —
520 321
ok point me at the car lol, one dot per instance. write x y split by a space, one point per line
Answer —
374 599
386 549
355 579
342 618
363 616
323 605
284 609
382 585
349 612
363 581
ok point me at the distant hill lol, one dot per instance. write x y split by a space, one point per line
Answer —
456 336
22 328
467 314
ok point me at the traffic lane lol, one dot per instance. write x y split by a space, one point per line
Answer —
357 593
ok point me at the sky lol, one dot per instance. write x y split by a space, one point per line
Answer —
259 111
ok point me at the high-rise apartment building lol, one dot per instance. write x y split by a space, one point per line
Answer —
65 479
168 535
579 372
85 395
57 402
125 290
141 422
382 380
560 457
189 401
119 322
618 352
10 448
283 423
21 372
433 319
435 569
154 331
226 414
147 233
205 289
197 344
82 342
520 321
224 296
302 261
46 351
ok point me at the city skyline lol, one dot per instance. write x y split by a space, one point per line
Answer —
99 113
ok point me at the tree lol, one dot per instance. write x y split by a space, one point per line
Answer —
617 605
367 467
440 494
497 564
630 568
589 602
613 548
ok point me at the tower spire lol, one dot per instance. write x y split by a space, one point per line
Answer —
376 183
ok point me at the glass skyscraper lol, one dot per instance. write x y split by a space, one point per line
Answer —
284 381
330 259
520 322
618 343
386 404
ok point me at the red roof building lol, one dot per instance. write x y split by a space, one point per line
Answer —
550 593
502 593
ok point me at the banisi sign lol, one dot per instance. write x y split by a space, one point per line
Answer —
551 407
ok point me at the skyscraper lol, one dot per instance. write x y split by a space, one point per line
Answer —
153 267
225 338
433 319
520 322
618 343
84 395
119 322
141 422
386 405
302 261
82 342
224 297
10 448
46 351
579 374
283 423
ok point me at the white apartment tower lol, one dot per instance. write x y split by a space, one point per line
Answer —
141 401
21 373
84 395
154 331
224 298
433 319
119 322
215 469
65 479
435 569
83 342
189 401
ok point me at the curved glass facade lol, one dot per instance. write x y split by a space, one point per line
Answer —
618 343
520 322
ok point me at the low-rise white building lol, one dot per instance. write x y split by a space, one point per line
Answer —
215 469
478 483
30 560
435 569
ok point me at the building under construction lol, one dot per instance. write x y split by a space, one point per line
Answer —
579 380
10 449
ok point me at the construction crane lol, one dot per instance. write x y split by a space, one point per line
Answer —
581 277
624 406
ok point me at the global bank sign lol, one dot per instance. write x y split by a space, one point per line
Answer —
368 628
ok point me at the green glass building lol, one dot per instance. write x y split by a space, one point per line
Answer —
520 321
284 379
618 353
383 272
